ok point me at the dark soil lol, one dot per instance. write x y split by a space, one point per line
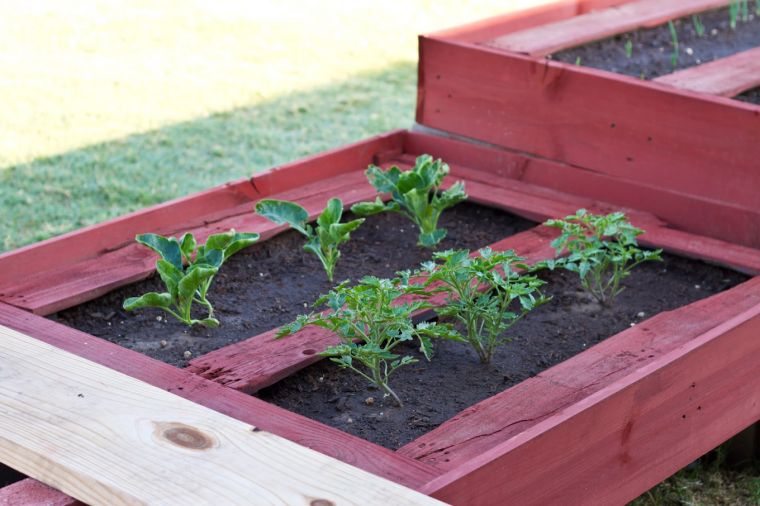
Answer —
8 475
270 283
435 391
751 96
652 48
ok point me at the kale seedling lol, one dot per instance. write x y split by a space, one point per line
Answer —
186 285
371 321
483 293
602 250
323 240
414 193
674 41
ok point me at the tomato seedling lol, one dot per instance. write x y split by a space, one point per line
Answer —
602 250
322 240
371 319
415 194
186 284
483 293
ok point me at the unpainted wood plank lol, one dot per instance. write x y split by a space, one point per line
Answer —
620 441
725 77
107 438
249 409
499 418
551 37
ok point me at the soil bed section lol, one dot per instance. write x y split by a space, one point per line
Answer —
652 48
752 96
269 284
435 391
8 475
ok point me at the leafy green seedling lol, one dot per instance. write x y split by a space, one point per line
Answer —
699 27
578 61
414 193
484 294
371 319
629 48
323 241
674 39
190 283
602 250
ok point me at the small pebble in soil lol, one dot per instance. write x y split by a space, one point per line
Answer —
163 343
187 354
641 314
369 401
632 324
697 287
158 318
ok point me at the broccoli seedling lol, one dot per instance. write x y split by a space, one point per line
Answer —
371 320
323 241
602 250
190 283
414 193
483 293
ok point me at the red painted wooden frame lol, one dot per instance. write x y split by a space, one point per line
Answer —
674 146
631 386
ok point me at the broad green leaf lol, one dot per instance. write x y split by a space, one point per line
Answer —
433 238
369 208
206 322
283 212
331 214
150 299
193 280
167 247
187 244
170 275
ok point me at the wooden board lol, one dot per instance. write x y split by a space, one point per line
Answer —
106 438
245 408
545 108
507 414
726 77
262 360
628 436
551 37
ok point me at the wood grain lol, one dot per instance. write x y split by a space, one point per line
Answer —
551 37
547 109
509 413
246 408
107 438
627 436
726 77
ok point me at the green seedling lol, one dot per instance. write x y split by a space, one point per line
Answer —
483 293
414 193
322 240
629 48
187 270
371 319
578 61
699 27
602 250
674 40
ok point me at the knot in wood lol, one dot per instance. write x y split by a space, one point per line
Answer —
185 436
321 502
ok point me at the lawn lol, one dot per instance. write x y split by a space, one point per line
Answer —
112 106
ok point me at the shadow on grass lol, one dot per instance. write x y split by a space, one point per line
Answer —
53 195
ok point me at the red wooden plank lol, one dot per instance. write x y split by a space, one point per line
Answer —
676 150
90 241
31 492
490 28
71 284
263 360
608 448
331 163
726 77
505 415
551 37
244 407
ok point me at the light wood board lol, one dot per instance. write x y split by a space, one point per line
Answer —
106 438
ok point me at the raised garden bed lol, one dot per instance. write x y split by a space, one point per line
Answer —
441 461
590 428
